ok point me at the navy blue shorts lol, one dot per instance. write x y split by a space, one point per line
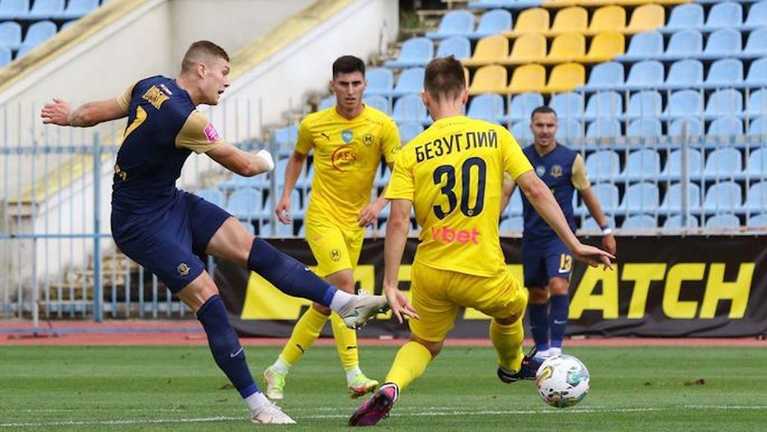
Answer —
543 260
170 243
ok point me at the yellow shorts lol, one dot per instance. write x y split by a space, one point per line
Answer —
438 294
335 248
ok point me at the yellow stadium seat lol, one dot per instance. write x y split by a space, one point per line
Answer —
608 18
645 18
556 4
572 19
566 77
535 20
466 75
489 79
489 50
528 48
566 48
605 46
527 78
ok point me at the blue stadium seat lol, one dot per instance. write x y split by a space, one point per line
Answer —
607 194
672 200
758 221
506 4
415 51
326 103
645 75
758 126
285 137
724 73
723 221
590 224
410 108
723 163
604 105
567 104
409 130
643 46
687 16
569 129
684 74
521 131
723 197
684 44
380 81
5 56
488 107
492 22
693 127
675 222
757 73
724 102
11 9
522 105
378 102
603 165
455 23
673 168
514 208
723 130
37 33
282 230
409 81
723 43
45 9
246 204
605 76
756 45
724 15
305 177
240 182
685 103
757 163
456 46
78 8
512 225
642 164
757 104
640 197
644 128
756 198
642 221
644 104
604 128
10 35
212 195
757 16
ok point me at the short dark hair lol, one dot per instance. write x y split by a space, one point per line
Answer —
444 77
543 109
348 64
200 49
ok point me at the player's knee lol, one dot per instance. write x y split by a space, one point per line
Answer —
198 292
433 347
558 286
538 296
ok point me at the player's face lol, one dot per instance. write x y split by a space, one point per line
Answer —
544 127
348 88
216 80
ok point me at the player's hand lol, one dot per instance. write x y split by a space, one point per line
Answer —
399 304
56 112
593 256
281 210
368 215
608 243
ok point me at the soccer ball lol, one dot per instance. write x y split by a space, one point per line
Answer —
562 381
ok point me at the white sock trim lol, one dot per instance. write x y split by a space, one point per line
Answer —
340 299
352 373
281 366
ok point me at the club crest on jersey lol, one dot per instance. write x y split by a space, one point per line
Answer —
540 170
182 269
367 139
347 136
335 254
556 171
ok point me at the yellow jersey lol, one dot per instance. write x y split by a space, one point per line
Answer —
453 173
347 154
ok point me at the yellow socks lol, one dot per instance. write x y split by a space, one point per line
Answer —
410 363
507 340
346 343
304 334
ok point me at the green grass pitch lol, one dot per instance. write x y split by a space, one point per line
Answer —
50 388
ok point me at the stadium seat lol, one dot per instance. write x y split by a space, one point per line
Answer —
281 230
723 162
488 79
724 127
566 47
492 22
589 224
326 103
514 208
758 221
415 51
410 108
672 201
757 163
378 102
78 8
607 194
410 81
647 128
456 46
644 46
488 107
644 104
687 16
723 197
757 104
285 136
607 104
757 73
247 204
686 126
605 46
240 182
604 128
758 126
512 225
45 9
607 19
507 4
684 74
603 165
572 19
724 15
565 77
567 104
527 48
646 17
380 81
37 33
454 23
527 78
12 9
645 75
724 73
724 102
756 45
522 106
605 76
684 103
569 129
723 43
673 168
684 44
641 221
723 221
10 35
756 198
640 197
642 164
534 20
489 50
675 222
522 133
211 195
5 56
757 16
408 131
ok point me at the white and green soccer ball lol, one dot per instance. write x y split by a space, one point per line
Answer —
562 381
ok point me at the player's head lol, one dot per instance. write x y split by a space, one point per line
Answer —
543 124
348 82
206 66
444 83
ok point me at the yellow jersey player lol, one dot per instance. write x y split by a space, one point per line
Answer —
348 141
452 175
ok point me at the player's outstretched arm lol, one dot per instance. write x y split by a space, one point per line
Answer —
394 245
595 209
241 162
60 113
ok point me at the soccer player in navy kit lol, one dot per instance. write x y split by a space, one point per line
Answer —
168 231
546 261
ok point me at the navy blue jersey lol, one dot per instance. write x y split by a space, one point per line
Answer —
163 129
563 171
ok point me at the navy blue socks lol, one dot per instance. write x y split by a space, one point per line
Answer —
558 318
539 325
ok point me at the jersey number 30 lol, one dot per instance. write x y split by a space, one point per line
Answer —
447 172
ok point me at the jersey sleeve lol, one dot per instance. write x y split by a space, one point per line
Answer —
515 162
579 177
390 142
305 142
197 134
124 99
402 183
